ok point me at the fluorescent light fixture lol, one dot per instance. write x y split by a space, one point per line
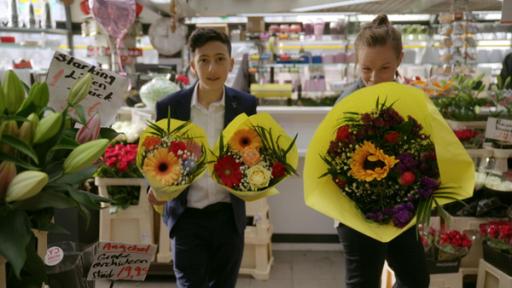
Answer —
395 17
332 5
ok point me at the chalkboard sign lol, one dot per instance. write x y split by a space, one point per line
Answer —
106 95
121 261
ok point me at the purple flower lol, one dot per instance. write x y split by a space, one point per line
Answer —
427 187
407 162
402 214
392 117
375 216
189 164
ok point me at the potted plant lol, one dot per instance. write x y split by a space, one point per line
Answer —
497 244
461 108
41 168
117 165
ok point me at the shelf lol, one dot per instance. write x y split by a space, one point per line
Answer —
19 46
34 30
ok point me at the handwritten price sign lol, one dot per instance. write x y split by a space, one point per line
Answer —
499 129
120 261
105 97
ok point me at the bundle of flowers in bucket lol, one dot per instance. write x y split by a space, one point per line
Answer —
252 156
497 244
382 158
171 155
445 249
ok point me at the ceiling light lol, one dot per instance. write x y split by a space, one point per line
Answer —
332 5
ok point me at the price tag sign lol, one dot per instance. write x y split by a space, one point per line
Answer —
499 129
121 261
105 97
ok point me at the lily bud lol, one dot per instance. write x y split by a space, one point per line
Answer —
90 131
80 90
25 185
10 127
14 93
84 155
28 128
38 95
48 127
7 173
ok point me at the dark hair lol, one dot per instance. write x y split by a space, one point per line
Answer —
202 36
379 32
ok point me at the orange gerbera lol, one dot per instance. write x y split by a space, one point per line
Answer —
369 163
245 138
162 166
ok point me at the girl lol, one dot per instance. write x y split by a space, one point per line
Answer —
379 53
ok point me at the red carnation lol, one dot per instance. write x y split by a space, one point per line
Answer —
278 170
177 146
343 133
407 178
228 170
340 182
392 137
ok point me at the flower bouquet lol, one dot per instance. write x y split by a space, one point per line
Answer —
390 157
171 155
119 162
452 245
257 155
470 138
497 245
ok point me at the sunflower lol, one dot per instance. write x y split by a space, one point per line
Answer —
245 138
162 166
369 163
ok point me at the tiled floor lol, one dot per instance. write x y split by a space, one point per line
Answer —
291 269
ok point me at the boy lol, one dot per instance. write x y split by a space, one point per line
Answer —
206 222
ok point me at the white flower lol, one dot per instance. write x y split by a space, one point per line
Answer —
258 177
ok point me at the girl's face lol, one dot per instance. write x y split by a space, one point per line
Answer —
378 64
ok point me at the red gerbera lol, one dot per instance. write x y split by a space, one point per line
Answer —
228 170
177 146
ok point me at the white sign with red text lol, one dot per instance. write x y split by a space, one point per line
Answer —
106 95
121 261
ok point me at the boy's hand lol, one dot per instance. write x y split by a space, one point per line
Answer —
152 198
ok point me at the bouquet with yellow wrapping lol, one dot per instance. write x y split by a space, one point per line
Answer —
390 158
171 155
252 156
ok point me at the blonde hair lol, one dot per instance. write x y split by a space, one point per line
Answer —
379 32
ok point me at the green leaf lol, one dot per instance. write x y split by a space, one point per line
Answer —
47 199
15 235
21 146
77 177
18 162
79 109
87 199
108 133
86 214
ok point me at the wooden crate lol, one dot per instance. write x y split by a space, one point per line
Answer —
491 277
444 280
164 245
257 260
131 225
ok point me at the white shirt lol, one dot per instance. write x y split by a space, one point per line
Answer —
205 191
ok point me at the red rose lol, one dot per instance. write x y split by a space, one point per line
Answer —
407 178
177 146
278 170
343 133
392 137
340 182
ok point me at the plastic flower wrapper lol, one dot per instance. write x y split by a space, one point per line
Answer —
171 155
386 156
252 156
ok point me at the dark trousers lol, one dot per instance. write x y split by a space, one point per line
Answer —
364 259
207 248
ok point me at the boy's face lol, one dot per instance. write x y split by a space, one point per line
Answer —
212 63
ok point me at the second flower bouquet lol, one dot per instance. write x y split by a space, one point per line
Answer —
252 156
171 155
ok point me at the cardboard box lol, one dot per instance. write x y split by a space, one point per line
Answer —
255 24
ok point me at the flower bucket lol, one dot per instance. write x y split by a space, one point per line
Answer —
497 258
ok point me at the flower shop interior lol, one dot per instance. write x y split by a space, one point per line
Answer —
297 58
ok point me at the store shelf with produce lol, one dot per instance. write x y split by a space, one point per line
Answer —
34 30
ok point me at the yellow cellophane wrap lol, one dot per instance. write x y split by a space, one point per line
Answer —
263 120
166 193
455 166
